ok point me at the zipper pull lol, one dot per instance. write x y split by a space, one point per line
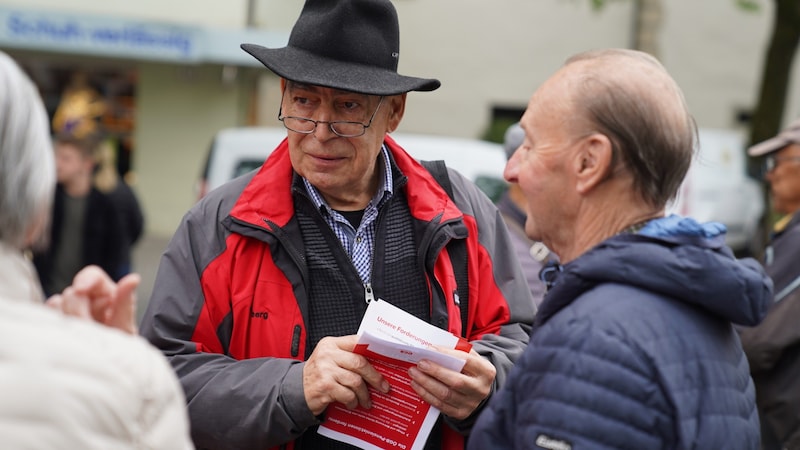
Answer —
368 294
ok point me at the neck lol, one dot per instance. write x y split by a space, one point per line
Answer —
78 187
593 225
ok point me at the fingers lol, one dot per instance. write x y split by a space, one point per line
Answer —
333 373
455 394
71 303
121 313
129 283
94 295
55 302
93 281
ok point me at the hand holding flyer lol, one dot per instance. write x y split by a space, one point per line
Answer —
393 341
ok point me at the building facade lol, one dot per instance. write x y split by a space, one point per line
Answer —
174 73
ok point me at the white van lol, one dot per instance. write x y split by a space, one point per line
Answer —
234 152
716 187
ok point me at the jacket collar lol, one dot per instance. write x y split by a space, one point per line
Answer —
268 196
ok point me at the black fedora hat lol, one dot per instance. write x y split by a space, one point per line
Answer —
352 45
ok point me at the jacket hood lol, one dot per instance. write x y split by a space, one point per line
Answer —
676 257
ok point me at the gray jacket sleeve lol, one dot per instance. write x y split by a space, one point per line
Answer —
503 349
254 403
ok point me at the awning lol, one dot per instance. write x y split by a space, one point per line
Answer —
117 37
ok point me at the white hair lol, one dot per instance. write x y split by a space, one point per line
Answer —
27 166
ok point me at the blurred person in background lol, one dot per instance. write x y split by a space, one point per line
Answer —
86 227
532 255
633 346
109 182
261 290
67 383
773 347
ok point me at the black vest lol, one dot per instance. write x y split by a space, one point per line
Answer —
336 293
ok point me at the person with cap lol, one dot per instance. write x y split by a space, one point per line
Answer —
260 293
532 255
634 345
773 347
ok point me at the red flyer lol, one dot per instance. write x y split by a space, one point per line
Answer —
393 341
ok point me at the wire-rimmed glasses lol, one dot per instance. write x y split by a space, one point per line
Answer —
341 128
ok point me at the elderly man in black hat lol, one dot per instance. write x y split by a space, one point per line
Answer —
262 289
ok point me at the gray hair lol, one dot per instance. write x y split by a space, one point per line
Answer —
27 166
628 96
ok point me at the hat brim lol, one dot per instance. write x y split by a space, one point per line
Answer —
305 67
768 146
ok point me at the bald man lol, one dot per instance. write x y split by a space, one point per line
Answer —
634 344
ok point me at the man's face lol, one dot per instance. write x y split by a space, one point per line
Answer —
784 179
541 164
71 164
343 169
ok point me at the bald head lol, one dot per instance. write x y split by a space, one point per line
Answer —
628 96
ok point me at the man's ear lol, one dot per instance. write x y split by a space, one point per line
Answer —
397 107
594 162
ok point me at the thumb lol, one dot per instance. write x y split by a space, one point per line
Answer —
123 314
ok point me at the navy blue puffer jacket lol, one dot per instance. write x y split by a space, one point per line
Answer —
634 348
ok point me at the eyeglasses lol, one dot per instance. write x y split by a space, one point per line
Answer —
341 128
771 162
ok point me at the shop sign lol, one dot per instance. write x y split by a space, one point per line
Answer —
105 36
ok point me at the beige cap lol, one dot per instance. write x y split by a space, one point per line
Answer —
790 135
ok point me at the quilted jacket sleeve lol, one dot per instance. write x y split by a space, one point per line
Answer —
577 387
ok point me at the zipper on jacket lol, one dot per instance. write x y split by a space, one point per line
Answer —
369 295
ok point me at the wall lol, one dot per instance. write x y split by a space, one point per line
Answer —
172 137
496 53
715 53
485 53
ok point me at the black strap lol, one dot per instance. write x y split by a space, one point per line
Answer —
457 248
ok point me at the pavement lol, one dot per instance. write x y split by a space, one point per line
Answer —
146 256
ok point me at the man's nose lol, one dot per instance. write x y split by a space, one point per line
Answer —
512 168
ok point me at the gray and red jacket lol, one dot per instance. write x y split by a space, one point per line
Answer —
229 304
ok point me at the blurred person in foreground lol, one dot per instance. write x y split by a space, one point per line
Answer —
66 382
86 228
773 347
262 289
633 346
532 255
